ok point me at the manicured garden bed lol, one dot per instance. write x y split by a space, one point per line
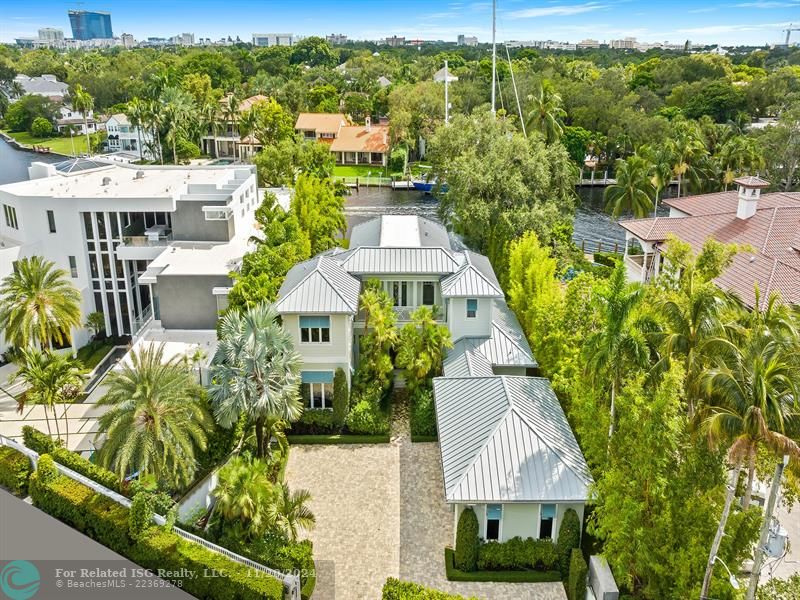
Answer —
338 439
529 576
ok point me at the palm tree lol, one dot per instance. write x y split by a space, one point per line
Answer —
82 101
752 393
255 372
50 379
621 343
291 513
156 419
660 160
39 304
685 147
245 495
740 155
546 112
633 189
179 109
247 126
137 114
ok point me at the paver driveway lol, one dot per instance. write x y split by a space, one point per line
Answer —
380 513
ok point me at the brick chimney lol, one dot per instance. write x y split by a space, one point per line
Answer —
749 194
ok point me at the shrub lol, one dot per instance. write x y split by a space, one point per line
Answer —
578 575
454 574
278 553
467 543
140 515
15 468
38 441
607 259
41 127
569 537
423 414
394 589
314 422
46 469
517 554
366 418
341 399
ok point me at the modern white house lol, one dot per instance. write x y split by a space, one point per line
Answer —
507 448
125 139
71 119
767 224
141 244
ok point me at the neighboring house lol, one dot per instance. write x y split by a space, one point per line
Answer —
223 139
46 85
769 224
139 243
488 400
71 119
444 74
384 81
123 138
350 144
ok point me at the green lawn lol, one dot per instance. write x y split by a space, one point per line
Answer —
357 171
62 145
91 354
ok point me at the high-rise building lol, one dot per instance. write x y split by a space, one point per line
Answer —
273 39
49 36
127 40
467 40
629 43
336 39
395 41
90 25
588 44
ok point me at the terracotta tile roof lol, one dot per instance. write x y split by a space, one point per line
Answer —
751 182
357 138
773 233
248 103
321 122
727 202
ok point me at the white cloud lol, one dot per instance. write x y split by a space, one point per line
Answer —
718 29
563 10
709 9
766 4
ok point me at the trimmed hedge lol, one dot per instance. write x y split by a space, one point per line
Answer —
578 576
107 522
454 574
423 414
44 444
314 422
518 555
341 399
394 589
15 468
569 537
467 542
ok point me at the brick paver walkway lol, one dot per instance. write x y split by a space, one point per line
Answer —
381 513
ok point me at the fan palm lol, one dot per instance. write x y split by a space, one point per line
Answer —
291 513
255 372
752 393
39 304
82 101
179 110
245 495
50 379
621 342
633 190
136 113
546 112
156 419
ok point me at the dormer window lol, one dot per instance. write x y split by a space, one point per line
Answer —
472 308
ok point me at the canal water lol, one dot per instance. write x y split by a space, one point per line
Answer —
592 224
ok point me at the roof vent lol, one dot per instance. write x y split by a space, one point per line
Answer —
106 180
139 175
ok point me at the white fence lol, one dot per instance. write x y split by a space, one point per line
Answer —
291 582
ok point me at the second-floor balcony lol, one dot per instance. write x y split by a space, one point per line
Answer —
403 314
639 266
144 247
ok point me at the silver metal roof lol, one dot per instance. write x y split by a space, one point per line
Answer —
420 261
475 278
427 233
464 360
506 439
319 285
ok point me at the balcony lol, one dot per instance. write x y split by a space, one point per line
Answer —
639 267
144 247
403 314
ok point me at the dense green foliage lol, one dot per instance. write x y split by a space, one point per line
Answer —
341 399
780 589
38 441
516 576
15 468
578 576
569 538
518 554
395 589
421 346
467 542
423 414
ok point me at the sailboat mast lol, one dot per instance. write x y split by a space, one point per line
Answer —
446 99
494 52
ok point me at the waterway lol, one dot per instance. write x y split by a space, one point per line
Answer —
592 224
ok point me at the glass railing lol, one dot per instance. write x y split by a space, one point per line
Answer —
136 241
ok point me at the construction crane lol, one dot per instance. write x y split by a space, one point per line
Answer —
789 31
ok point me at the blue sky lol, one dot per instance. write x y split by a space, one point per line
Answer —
709 21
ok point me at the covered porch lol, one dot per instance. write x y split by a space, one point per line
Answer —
377 159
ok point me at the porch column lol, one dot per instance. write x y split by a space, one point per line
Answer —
356 153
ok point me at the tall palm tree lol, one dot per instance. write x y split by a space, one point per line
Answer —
245 496
633 190
752 394
83 101
621 343
137 114
179 110
686 148
156 420
546 112
38 304
255 372
291 513
248 122
660 160
740 155
50 379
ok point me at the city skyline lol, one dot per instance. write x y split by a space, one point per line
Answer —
731 22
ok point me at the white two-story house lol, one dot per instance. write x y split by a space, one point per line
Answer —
507 449
123 138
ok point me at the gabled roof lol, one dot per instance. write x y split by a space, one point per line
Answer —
506 439
441 74
422 261
399 231
475 278
320 122
318 285
360 138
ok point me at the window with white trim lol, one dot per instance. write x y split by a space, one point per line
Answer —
316 389
315 329
494 514
547 518
472 308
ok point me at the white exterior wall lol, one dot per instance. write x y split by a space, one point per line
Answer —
519 519
324 356
460 326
